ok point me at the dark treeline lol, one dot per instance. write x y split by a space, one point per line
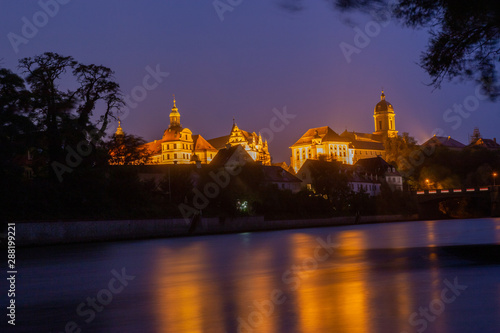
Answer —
56 162
436 167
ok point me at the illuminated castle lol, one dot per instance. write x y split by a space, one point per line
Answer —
251 142
348 147
179 146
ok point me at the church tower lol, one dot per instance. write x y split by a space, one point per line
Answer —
119 130
384 117
175 117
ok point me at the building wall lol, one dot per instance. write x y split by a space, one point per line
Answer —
385 122
395 182
339 151
359 154
371 189
178 151
205 156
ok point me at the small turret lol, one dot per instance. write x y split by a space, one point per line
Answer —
119 130
175 117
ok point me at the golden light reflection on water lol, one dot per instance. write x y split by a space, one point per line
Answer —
253 290
497 232
431 233
332 295
181 302
331 291
404 302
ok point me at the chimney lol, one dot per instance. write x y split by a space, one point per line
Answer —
495 140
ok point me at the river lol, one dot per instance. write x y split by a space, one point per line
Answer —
422 276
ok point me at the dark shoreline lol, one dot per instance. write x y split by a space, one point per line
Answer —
70 232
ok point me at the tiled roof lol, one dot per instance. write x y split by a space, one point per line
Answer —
358 136
444 141
278 174
223 155
201 144
485 143
372 145
376 165
325 132
219 142
154 147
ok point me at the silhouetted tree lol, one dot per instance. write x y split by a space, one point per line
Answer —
17 131
329 181
63 116
127 149
398 147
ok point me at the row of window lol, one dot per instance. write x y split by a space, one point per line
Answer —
335 147
344 154
360 152
393 179
369 187
180 146
181 156
309 155
332 147
380 125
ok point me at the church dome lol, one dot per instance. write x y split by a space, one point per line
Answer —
172 134
383 105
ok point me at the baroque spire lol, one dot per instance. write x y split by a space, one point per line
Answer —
119 130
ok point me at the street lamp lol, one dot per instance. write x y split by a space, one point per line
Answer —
427 182
494 178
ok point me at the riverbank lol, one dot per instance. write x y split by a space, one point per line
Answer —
64 232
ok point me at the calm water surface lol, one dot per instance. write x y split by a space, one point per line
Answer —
370 278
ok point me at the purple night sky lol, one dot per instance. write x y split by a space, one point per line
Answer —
259 57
